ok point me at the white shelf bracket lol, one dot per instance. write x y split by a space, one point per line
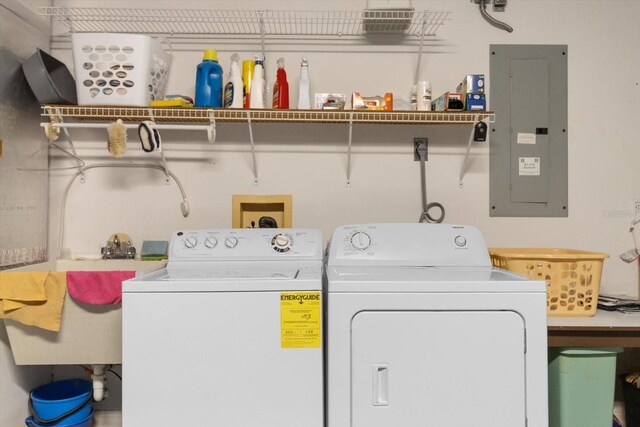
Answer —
349 150
211 129
81 164
422 33
167 180
164 167
262 45
253 149
463 169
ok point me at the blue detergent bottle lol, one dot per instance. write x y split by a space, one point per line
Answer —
209 81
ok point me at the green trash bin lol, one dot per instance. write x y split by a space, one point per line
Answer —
581 386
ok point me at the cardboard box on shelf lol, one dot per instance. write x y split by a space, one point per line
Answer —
376 103
472 83
475 102
448 101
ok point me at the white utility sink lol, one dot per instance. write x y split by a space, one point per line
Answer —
89 334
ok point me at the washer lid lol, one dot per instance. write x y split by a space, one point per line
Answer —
230 277
247 273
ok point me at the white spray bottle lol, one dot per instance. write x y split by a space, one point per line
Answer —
304 100
233 89
256 99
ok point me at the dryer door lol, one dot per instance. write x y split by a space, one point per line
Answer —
438 368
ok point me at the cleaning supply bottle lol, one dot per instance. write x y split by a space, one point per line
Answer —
257 85
304 101
209 81
281 88
248 66
233 91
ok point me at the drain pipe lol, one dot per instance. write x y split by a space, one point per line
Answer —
99 378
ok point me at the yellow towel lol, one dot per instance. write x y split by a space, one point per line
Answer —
33 298
18 287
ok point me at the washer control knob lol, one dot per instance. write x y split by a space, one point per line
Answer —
210 242
190 242
231 242
361 240
460 241
281 242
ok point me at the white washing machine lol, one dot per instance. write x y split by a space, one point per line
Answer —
422 331
228 334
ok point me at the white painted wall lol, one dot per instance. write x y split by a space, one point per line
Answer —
20 33
309 161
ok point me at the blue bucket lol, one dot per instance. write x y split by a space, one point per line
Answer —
87 422
62 403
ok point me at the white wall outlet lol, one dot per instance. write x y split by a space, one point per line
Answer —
499 5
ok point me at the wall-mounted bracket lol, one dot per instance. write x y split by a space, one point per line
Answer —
164 166
349 149
211 129
253 149
422 34
463 169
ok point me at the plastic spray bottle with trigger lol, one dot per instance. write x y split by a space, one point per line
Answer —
233 91
256 97
281 88
304 100
209 81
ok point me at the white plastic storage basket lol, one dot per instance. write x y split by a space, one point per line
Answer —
119 69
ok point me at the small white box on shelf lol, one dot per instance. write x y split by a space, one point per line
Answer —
119 69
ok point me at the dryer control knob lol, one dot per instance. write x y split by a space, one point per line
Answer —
191 242
281 242
460 241
361 240
231 242
210 242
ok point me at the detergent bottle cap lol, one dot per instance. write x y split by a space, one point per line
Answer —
210 55
280 63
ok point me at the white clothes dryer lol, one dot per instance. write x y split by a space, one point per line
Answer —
228 334
423 331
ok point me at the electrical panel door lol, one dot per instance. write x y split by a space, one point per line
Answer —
528 161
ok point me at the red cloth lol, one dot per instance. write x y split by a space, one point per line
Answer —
97 287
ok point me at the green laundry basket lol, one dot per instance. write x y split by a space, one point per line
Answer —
581 386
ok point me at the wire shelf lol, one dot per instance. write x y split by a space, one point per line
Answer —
204 115
247 22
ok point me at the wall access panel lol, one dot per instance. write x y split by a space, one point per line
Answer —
528 161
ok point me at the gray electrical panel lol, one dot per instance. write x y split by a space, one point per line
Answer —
528 144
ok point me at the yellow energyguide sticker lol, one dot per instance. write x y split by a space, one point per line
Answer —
300 320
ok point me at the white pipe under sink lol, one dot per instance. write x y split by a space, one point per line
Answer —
100 391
